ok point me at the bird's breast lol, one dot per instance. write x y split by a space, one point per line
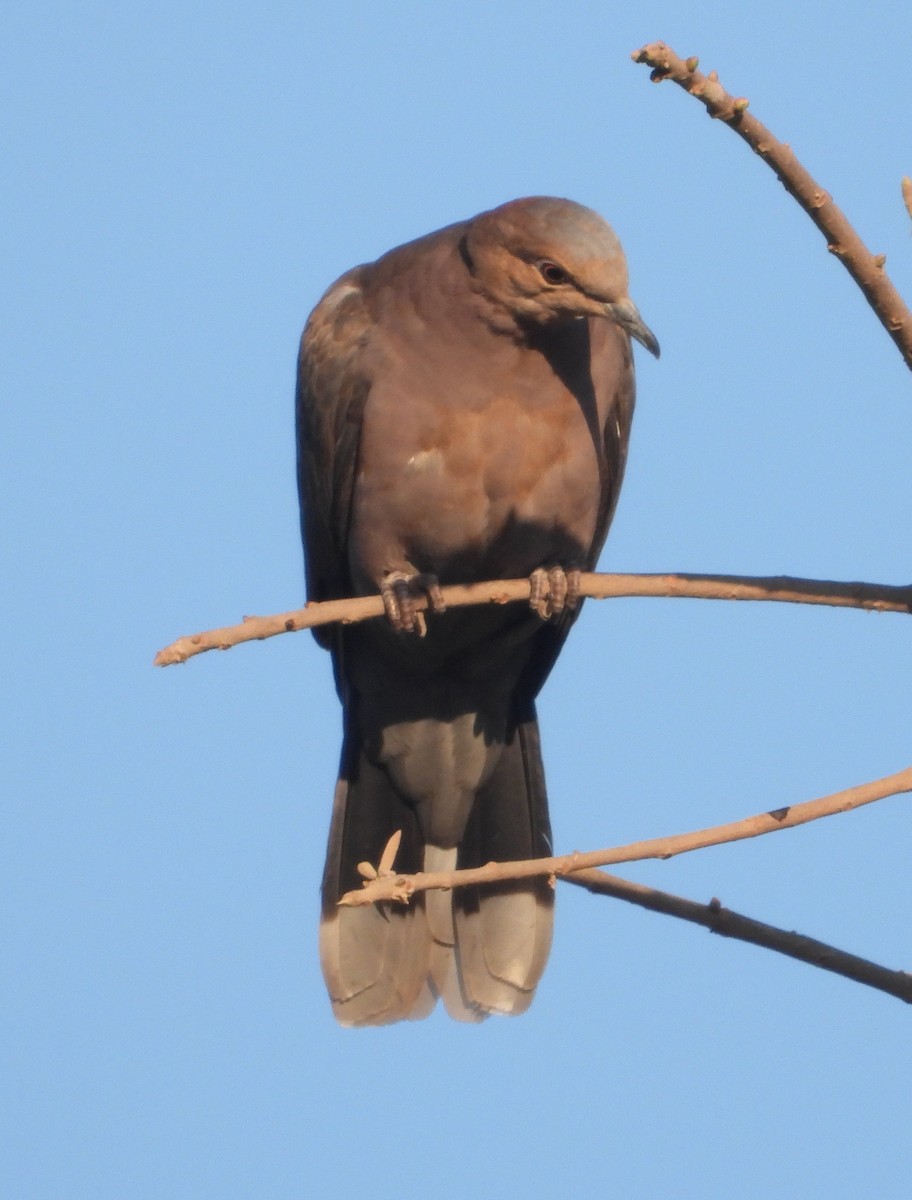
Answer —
467 482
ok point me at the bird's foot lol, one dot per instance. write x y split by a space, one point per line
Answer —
552 589
399 590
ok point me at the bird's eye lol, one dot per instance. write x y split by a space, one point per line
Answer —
551 272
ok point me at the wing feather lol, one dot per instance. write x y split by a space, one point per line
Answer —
332 390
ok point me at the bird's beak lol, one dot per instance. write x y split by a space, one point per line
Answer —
625 314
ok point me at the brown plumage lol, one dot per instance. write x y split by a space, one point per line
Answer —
464 406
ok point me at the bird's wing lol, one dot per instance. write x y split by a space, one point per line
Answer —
616 439
332 389
618 376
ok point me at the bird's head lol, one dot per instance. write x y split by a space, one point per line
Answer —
546 259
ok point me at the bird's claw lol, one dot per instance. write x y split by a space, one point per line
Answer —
552 589
398 591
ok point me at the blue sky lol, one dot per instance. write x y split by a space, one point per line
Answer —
186 181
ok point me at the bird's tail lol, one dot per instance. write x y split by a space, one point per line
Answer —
481 949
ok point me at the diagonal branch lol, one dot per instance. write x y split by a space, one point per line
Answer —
399 887
723 921
865 268
870 596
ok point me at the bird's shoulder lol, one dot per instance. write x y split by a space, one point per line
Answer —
359 304
335 334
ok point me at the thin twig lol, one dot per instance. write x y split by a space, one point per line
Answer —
865 268
723 921
907 193
400 887
871 596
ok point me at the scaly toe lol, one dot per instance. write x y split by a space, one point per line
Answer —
557 589
539 600
398 591
574 584
553 589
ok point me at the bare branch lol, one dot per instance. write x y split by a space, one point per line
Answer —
401 887
723 921
871 596
865 268
907 193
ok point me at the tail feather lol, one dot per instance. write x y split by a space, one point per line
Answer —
375 960
503 948
481 950
445 975
504 930
375 964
